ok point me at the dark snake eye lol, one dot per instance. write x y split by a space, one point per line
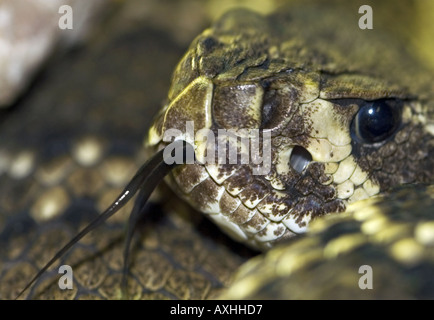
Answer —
376 121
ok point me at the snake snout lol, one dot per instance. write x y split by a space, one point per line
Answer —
300 158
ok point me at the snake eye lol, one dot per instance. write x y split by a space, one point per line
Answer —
376 121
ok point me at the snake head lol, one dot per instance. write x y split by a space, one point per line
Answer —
323 139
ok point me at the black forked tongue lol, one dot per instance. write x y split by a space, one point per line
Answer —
147 178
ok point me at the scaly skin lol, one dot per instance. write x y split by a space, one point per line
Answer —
181 255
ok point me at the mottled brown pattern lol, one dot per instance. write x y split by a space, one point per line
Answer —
254 191
228 204
238 179
192 176
408 158
235 107
204 194
258 222
241 215
280 206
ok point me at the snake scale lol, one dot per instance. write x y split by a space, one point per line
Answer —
350 115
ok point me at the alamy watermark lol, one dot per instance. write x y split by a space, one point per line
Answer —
66 281
241 146
366 21
66 20
366 280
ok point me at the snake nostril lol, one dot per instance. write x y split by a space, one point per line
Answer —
300 158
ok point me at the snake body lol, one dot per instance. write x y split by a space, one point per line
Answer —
301 75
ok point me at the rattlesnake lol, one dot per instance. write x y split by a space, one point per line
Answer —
314 88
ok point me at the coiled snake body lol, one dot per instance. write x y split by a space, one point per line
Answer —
349 116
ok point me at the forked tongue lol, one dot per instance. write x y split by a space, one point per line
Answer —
146 178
